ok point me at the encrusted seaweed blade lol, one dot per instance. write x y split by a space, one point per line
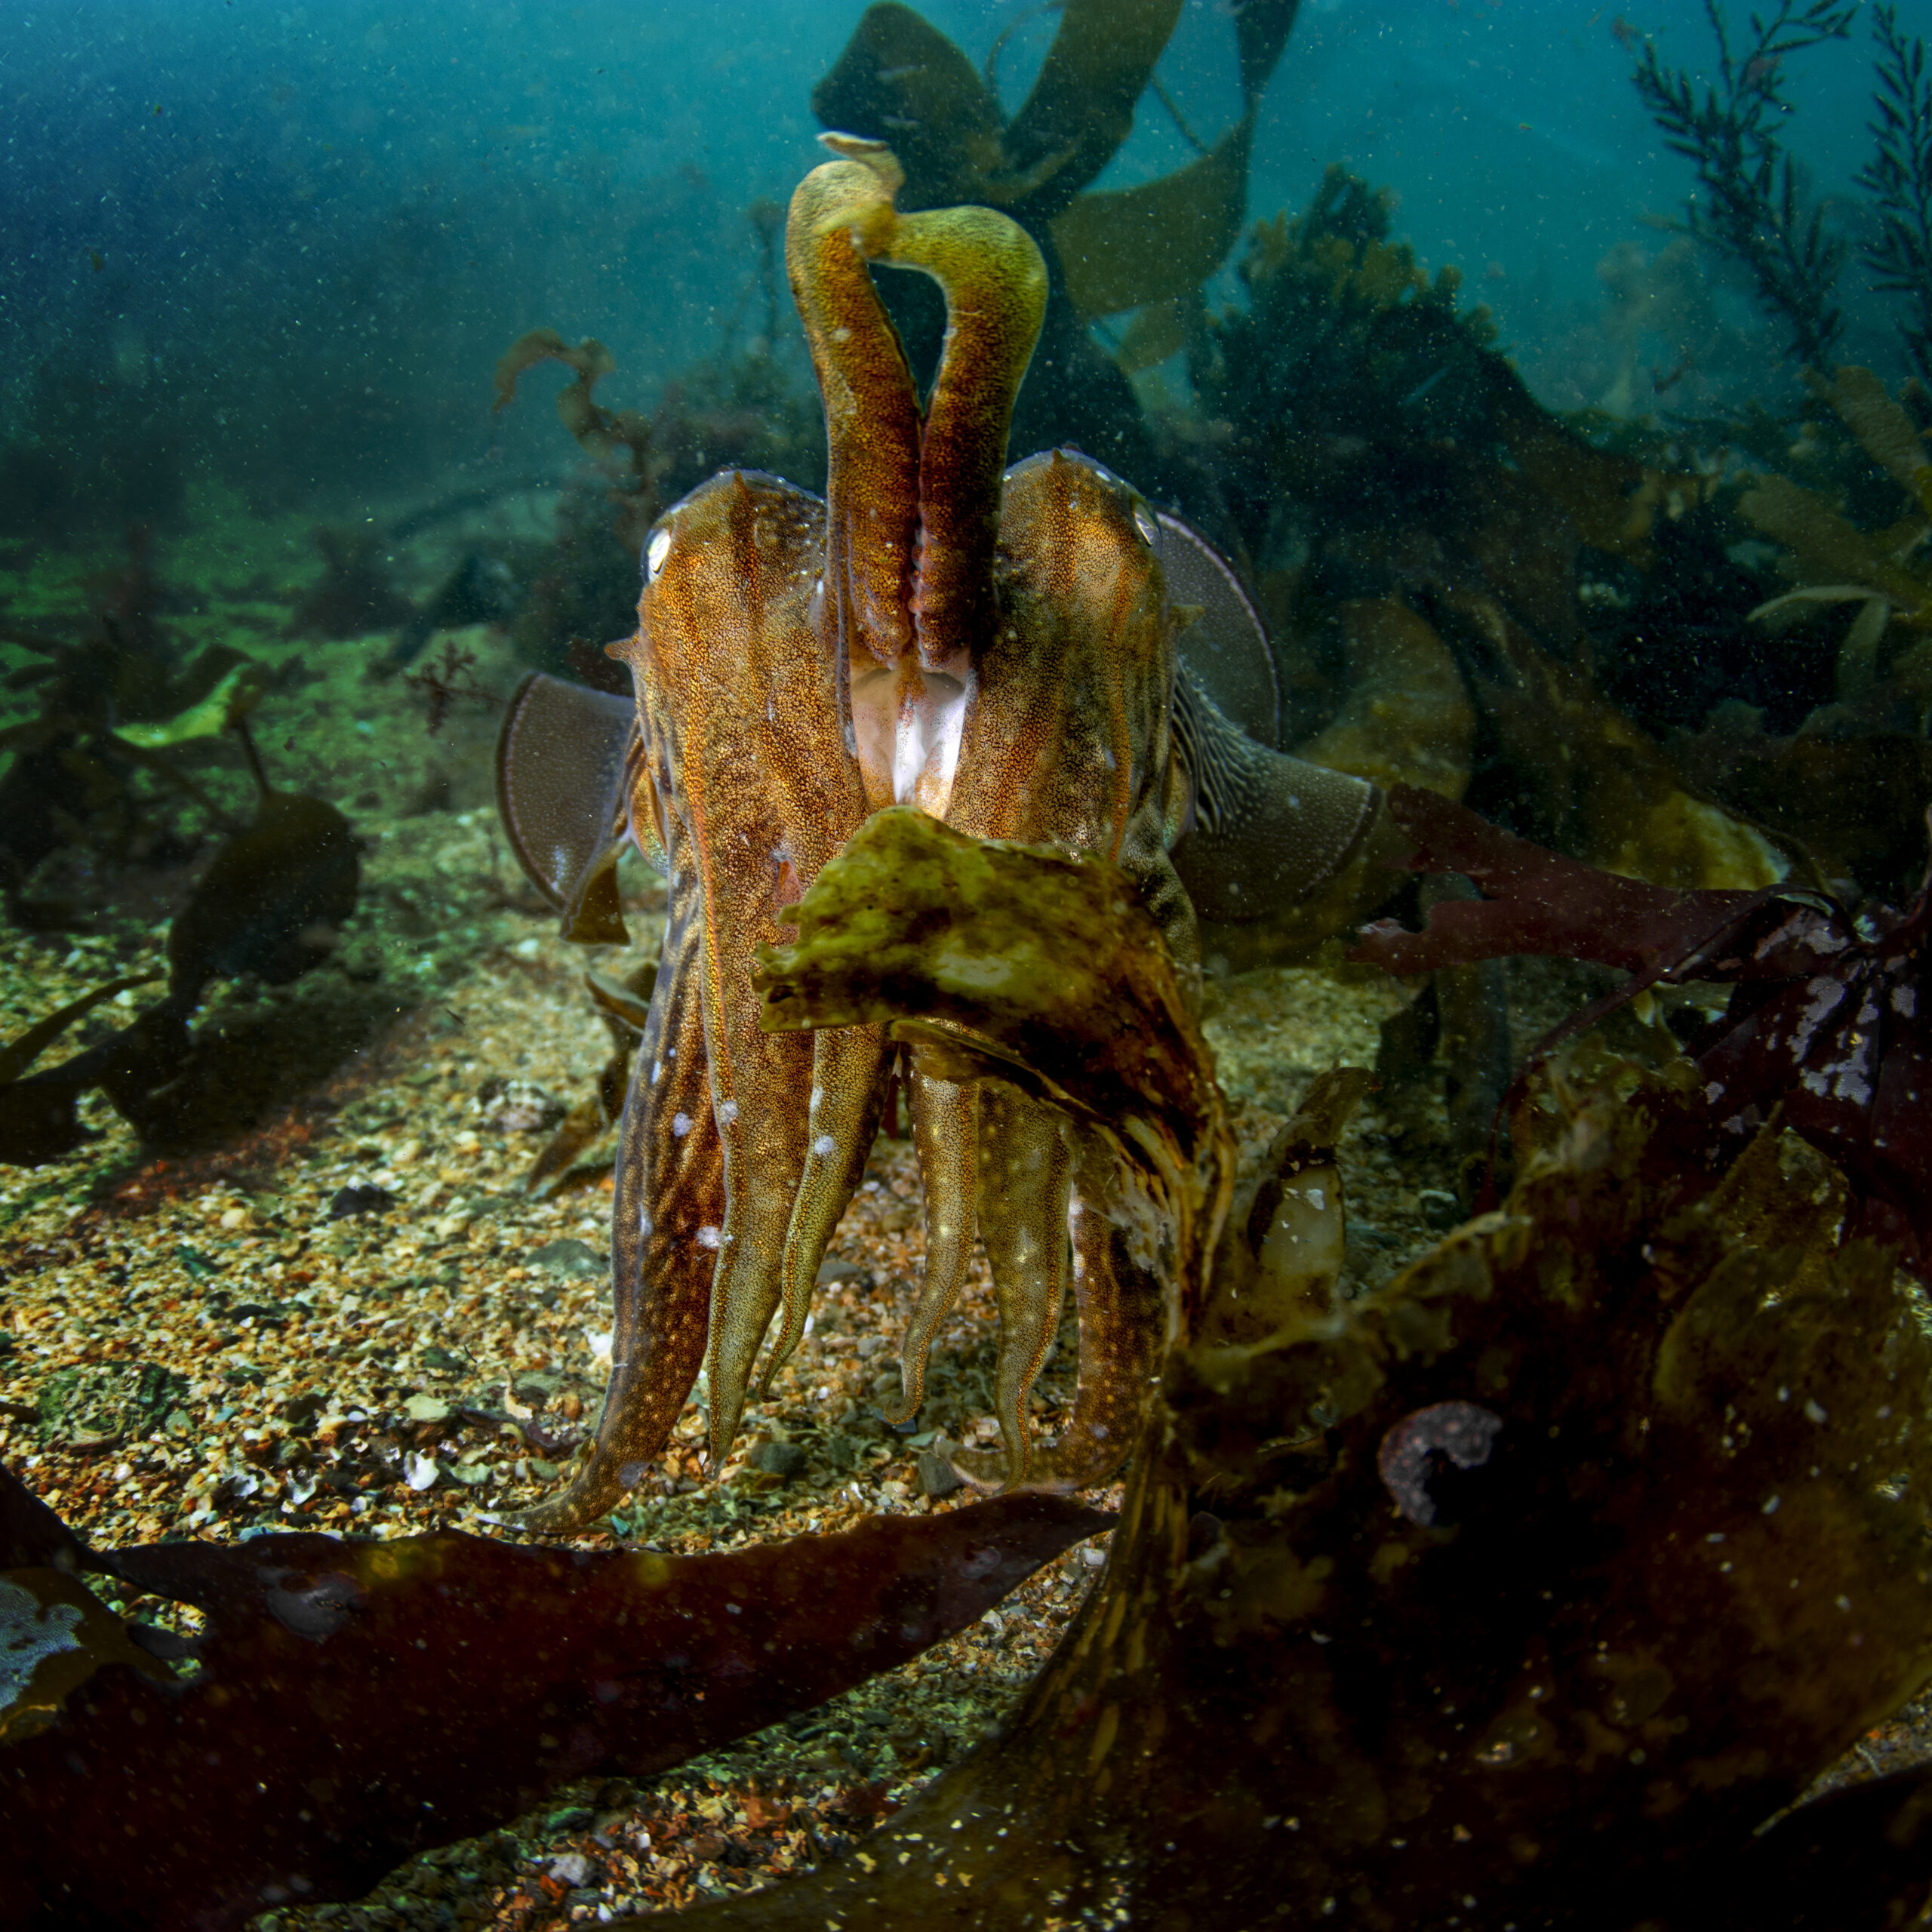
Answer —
359 1700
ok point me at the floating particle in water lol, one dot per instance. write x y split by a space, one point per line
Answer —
1461 1431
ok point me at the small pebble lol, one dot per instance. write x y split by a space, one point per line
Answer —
359 1198
517 1106
569 1259
777 1458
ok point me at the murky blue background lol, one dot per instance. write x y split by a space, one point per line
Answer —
370 200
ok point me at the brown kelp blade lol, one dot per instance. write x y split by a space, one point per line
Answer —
1158 242
561 763
359 1700
1536 901
1081 106
899 75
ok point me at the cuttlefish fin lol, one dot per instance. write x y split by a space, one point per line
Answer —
1265 830
1125 1308
565 754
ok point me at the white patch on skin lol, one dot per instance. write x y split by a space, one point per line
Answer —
660 548
824 1146
727 1112
681 1125
927 755
870 736
646 1225
657 1069
708 1236
818 1097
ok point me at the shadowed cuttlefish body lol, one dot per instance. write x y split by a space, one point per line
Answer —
998 647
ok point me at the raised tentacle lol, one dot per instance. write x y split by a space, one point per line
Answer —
740 684
995 281
1066 743
945 1135
871 411
670 1187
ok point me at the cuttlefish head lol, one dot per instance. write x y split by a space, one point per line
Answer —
996 647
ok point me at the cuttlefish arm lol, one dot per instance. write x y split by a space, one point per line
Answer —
1066 742
665 1215
740 685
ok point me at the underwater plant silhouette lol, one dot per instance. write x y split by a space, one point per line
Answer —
1899 179
1752 206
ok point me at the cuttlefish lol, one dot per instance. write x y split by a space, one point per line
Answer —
997 647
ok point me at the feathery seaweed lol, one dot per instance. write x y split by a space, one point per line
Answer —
1899 181
1753 206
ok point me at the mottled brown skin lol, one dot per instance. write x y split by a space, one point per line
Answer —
997 650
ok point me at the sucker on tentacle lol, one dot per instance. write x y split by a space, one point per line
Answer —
996 647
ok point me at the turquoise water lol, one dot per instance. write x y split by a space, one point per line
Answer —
366 202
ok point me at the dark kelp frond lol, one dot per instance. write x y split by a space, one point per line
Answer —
356 1701
1826 1031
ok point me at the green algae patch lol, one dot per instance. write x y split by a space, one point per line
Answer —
1044 966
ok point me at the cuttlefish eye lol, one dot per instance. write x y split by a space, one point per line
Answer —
655 552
